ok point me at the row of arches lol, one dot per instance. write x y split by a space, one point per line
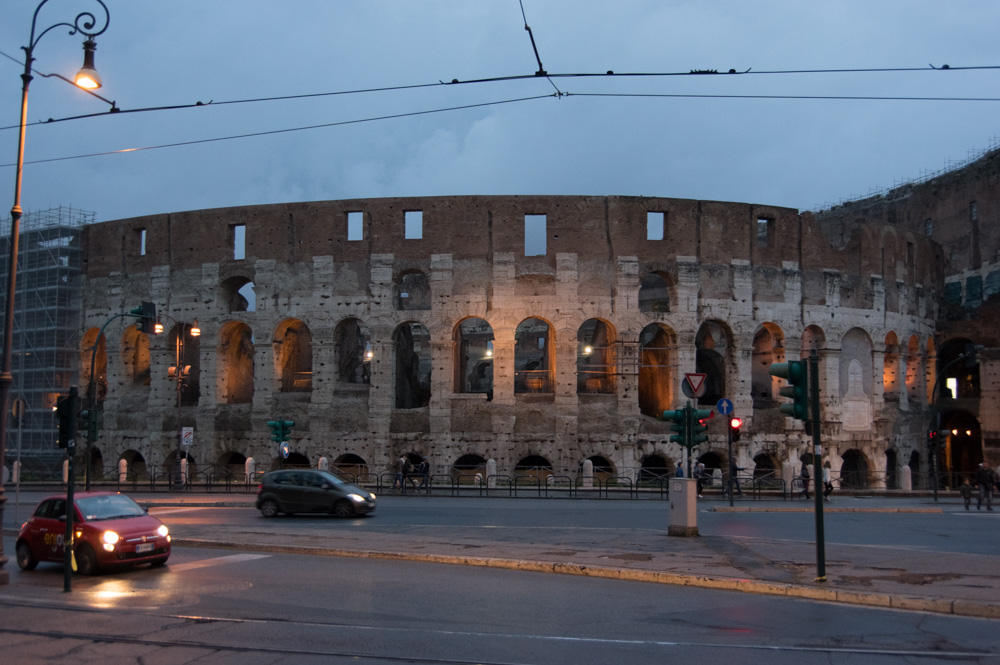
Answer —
601 360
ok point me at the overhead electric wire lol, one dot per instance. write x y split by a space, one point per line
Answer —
515 77
819 97
288 130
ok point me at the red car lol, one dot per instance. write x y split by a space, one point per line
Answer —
110 530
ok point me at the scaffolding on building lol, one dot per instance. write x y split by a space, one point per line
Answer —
46 328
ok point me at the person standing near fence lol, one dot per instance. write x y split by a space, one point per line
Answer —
424 470
827 482
985 479
804 476
699 476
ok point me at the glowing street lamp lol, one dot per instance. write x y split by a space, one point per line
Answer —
85 23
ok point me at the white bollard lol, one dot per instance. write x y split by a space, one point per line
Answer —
184 471
122 471
491 472
323 464
248 467
906 479
588 475
16 478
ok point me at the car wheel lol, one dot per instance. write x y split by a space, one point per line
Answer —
25 559
159 563
269 508
86 560
342 508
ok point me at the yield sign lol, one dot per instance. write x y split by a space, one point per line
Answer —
696 382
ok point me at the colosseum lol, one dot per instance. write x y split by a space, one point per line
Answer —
542 332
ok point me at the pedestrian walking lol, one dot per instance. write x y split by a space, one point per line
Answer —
966 491
985 480
397 469
804 476
424 471
827 483
699 477
734 476
680 469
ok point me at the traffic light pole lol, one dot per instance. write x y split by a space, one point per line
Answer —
70 505
817 463
732 465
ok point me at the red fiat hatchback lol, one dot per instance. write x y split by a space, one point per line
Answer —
110 530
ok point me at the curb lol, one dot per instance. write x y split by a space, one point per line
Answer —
825 593
810 509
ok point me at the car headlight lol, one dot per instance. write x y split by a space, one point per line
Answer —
356 498
109 537
162 530
370 494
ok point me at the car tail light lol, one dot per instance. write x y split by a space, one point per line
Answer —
260 488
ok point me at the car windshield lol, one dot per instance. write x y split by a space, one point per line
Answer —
107 507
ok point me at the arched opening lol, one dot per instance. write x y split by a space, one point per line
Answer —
595 357
354 352
236 355
96 464
655 468
915 475
465 468
136 465
474 362
654 292
534 360
533 466
293 356
97 364
767 471
413 366
170 464
657 351
913 371
603 468
135 356
958 370
238 295
962 448
351 466
295 461
890 369
233 465
711 349
714 465
854 470
413 291
188 353
768 348
891 480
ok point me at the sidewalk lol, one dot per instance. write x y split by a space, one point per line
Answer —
901 578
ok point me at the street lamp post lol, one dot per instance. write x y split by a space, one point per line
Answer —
87 24
179 373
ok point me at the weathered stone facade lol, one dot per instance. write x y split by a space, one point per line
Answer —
445 328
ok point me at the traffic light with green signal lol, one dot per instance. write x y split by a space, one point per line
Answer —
679 418
796 372
699 425
280 429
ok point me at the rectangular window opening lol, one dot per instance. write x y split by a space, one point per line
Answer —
655 222
928 227
534 235
414 221
355 226
141 241
973 212
764 231
239 241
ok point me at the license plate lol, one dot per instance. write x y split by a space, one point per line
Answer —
144 547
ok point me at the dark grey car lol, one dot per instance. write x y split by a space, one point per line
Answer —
311 491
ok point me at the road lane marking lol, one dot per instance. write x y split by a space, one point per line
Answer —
217 561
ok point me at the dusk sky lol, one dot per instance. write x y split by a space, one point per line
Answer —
707 136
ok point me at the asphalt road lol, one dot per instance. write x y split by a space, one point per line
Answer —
221 607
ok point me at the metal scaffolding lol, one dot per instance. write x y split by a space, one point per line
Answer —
46 327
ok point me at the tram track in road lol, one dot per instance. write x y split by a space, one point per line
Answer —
406 641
